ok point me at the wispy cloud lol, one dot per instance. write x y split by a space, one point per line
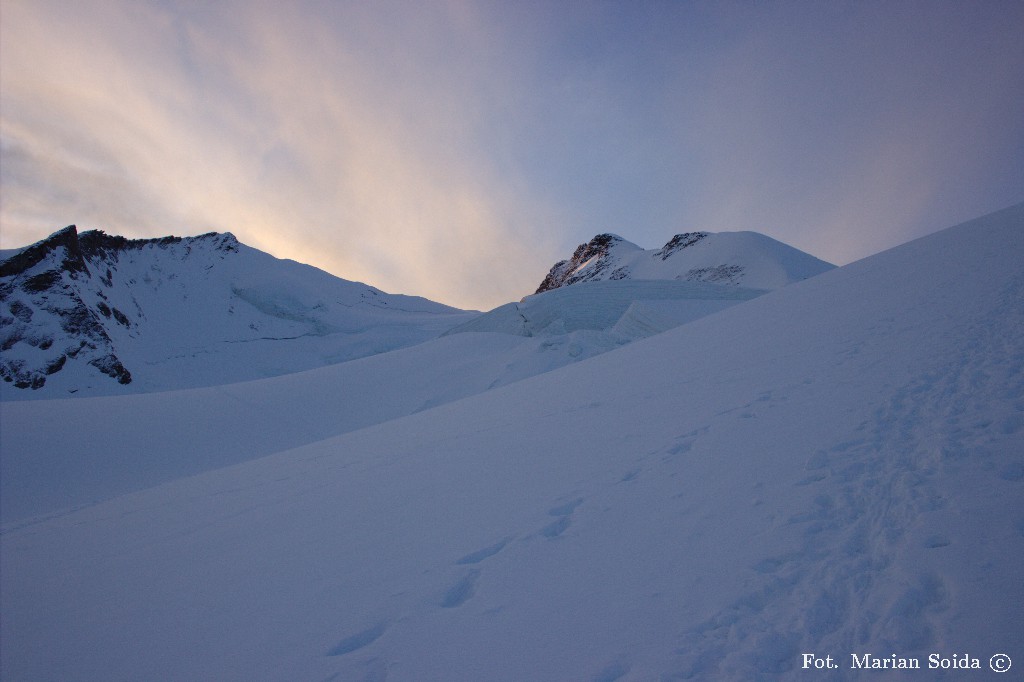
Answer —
279 129
455 149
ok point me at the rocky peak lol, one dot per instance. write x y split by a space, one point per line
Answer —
745 259
30 256
93 245
98 244
591 256
52 311
598 246
680 242
48 321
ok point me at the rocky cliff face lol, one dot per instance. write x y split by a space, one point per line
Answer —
590 261
55 308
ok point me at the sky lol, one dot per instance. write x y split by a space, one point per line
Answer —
456 150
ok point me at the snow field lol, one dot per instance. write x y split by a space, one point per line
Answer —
127 443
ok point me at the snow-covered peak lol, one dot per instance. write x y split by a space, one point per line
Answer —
590 261
747 259
98 244
72 251
91 314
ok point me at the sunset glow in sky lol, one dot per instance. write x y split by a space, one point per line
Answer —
455 150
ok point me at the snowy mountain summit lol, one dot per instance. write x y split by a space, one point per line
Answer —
735 258
91 313
615 292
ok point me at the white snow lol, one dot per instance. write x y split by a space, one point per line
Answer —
204 315
835 467
170 434
766 262
747 259
600 305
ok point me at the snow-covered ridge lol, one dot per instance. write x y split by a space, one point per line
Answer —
746 259
91 314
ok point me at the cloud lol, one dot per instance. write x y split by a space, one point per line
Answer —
306 136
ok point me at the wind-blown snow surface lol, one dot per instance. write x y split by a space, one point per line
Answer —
836 467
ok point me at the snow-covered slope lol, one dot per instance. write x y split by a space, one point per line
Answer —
833 468
177 433
749 259
93 314
59 454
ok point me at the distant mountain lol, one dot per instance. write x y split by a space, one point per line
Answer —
91 314
745 259
613 288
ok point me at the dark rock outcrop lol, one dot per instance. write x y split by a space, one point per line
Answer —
565 272
679 242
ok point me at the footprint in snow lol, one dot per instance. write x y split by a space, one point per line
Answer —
556 528
684 443
481 554
358 641
565 509
1012 472
630 475
564 514
461 592
610 673
936 541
